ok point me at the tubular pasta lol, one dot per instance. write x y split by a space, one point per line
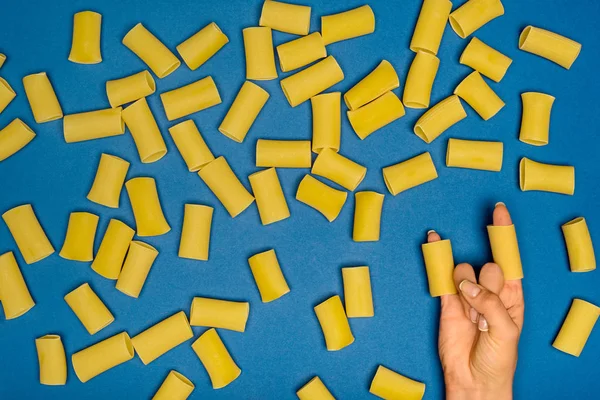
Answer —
419 81
2 59
7 94
579 245
14 294
85 48
222 314
149 218
175 387
130 88
311 81
439 264
409 173
367 216
213 354
162 337
552 46
315 389
42 99
339 169
505 250
388 384
323 198
243 111
200 47
577 327
546 177
438 118
535 122
151 51
93 125
89 309
109 180
334 324
270 199
285 17
135 270
260 57
191 145
268 276
191 98
102 356
283 153
28 233
381 80
474 14
79 240
13 137
327 121
349 24
112 251
145 132
52 360
357 292
430 26
474 154
485 59
477 93
300 52
195 234
376 115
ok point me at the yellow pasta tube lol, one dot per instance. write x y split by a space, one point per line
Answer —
135 270
381 80
376 115
200 47
419 81
151 51
367 216
479 95
311 81
315 389
28 233
52 360
552 46
260 57
349 24
409 173
285 17
191 145
268 276
546 177
270 199
149 217
439 264
357 292
334 324
440 117
243 111
505 250
190 98
85 48
109 180
300 52
89 309
213 354
323 198
390 385
130 88
283 153
195 234
577 327
79 240
102 356
222 314
535 122
13 137
430 26
474 154
485 59
93 125
7 94
327 121
579 245
162 337
112 251
474 14
221 180
2 59
42 99
175 387
339 169
14 294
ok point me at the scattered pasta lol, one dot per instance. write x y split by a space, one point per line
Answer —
175 387
28 233
300 52
285 17
51 360
149 217
334 323
260 57
439 118
375 115
535 122
268 276
479 95
579 245
190 98
89 309
79 240
315 389
327 121
195 233
191 145
102 356
348 24
42 99
283 153
473 14
222 314
475 154
140 258
552 46
85 48
357 292
409 173
130 88
546 177
109 180
16 299
323 198
339 169
380 81
439 264
93 125
7 94
113 248
430 26
577 327
367 216
200 47
505 250
270 200
13 137
419 81
151 51
213 354
485 60
243 111
311 81
390 385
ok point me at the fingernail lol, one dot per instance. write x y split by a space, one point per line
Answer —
500 204
469 288
483 325
430 232
473 315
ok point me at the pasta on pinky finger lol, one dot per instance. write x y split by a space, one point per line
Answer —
349 24
579 245
577 327
113 248
102 356
546 177
285 17
311 81
390 385
339 169
175 387
200 47
505 250
323 198
14 294
85 48
135 270
410 173
79 240
375 115
52 360
315 389
485 59
7 94
195 234
270 200
28 233
334 323
475 154
419 81
109 180
552 46
221 368
379 81
473 14
89 309
439 118
367 216
535 122
191 145
357 292
151 51
42 99
430 26
479 95
145 203
439 264
243 111
13 137
260 57
327 121
268 276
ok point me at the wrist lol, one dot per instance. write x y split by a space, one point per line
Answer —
479 393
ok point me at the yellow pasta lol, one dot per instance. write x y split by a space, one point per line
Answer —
311 81
270 199
474 14
300 52
439 264
7 94
579 245
535 122
268 276
260 57
195 234
2 59
135 270
222 314
285 17
505 250
190 98
130 88
549 45
221 180
577 327
485 59
357 292
419 81
191 145
243 111
93 125
430 26
52 360
315 389
283 153
79 240
323 198
89 309
376 115
479 95
349 24
327 121
475 154
213 354
14 294
381 80
109 180
112 251
339 169
546 177
440 117
162 337
367 216
28 233
334 324
151 51
149 217
13 137
42 99
409 173
102 356
85 48
175 387
201 46
390 385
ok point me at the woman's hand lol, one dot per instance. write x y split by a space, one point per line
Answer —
480 328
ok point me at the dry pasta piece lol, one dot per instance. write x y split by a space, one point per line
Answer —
283 153
145 203
270 199
151 51
419 81
390 385
15 296
430 26
285 17
552 46
221 368
162 337
323 198
505 250
225 185
334 324
28 233
349 24
311 81
579 245
175 387
327 121
380 81
367 216
409 173
535 122
475 154
2 59
243 111
268 276
191 145
222 314
485 59
201 46
79 240
145 132
130 88
357 292
112 251
479 95
85 48
102 356
89 309
191 98
300 52
195 234
439 264
315 389
52 360
7 94
474 14
376 115
260 57
13 137
546 177
339 169
440 117
577 327
135 270
93 125
109 180
42 99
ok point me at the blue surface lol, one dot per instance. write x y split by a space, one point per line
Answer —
283 347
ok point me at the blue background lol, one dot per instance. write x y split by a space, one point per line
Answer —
283 346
